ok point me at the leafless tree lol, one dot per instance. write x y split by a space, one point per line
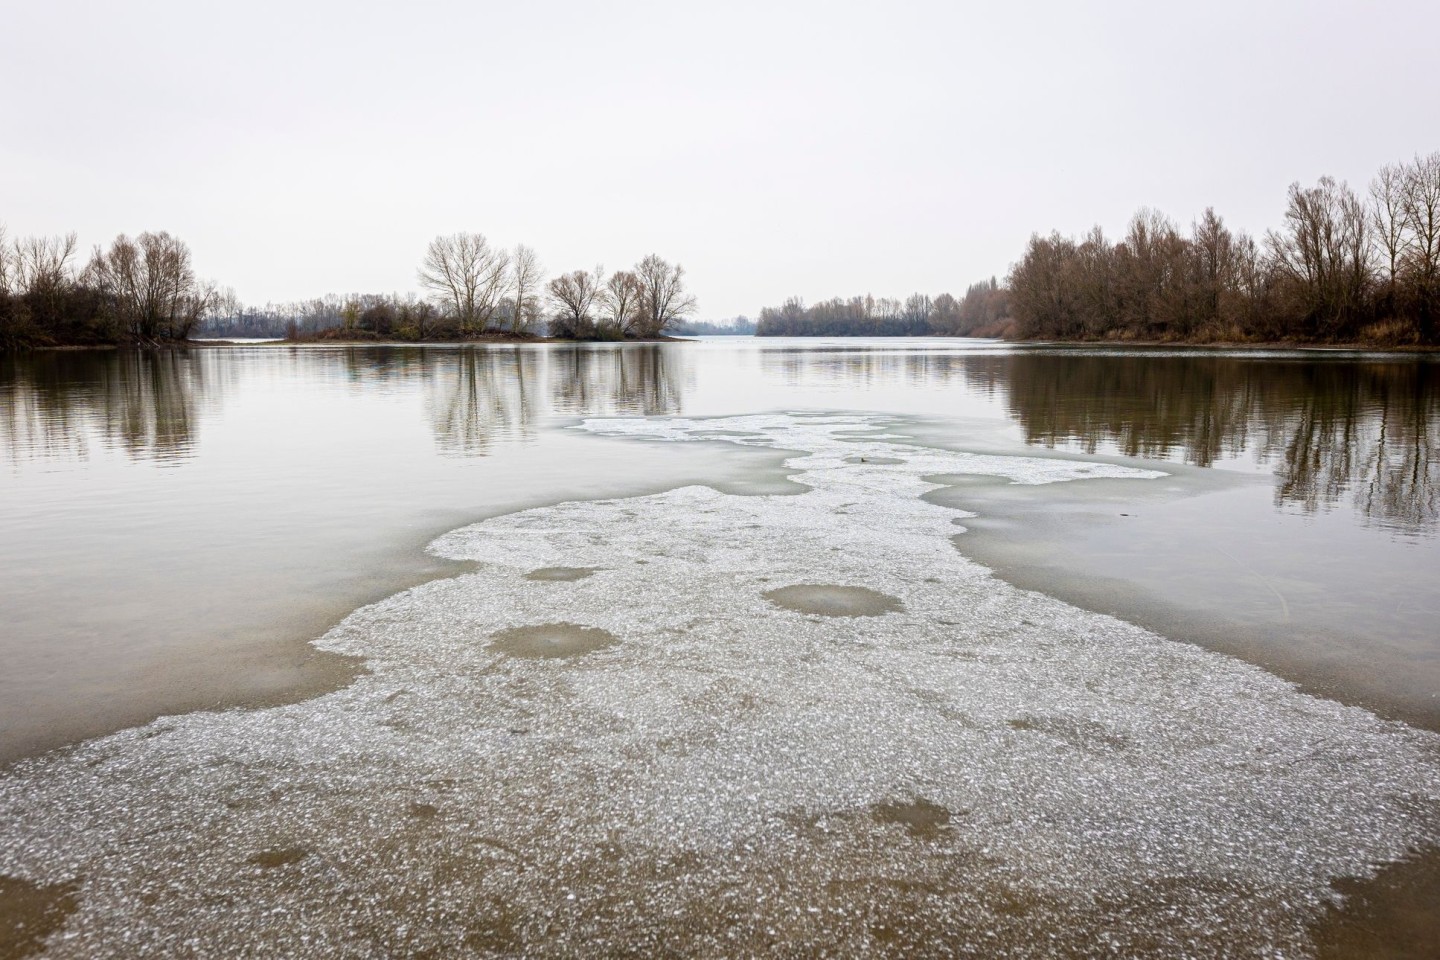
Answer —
1252 283
1212 249
1148 260
620 303
42 264
945 315
1324 254
1387 219
153 285
468 277
226 303
917 310
527 275
1421 205
418 315
663 299
6 271
573 299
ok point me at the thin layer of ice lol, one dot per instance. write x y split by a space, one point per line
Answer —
985 772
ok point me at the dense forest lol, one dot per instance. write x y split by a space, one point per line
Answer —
1340 268
145 292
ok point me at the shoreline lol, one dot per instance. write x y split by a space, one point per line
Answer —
1258 346
209 343
1268 345
1273 346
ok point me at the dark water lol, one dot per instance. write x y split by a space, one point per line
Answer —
177 523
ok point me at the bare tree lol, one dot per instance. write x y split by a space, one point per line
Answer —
225 303
418 315
1324 254
468 276
946 316
153 285
620 302
917 311
1422 254
663 299
573 299
1387 219
6 271
42 264
1212 255
1147 262
527 274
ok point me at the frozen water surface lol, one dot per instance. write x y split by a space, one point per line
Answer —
979 771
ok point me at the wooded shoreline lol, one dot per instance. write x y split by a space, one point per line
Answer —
1343 268
145 292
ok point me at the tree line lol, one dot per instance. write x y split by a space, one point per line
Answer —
145 291
1341 268
137 290
981 312
741 326
478 290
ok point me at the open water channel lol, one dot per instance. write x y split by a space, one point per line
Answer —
731 646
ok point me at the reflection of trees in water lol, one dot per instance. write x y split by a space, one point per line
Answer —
144 402
369 365
478 395
1375 439
862 367
1335 429
634 378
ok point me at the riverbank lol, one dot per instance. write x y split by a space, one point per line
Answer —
1354 346
349 339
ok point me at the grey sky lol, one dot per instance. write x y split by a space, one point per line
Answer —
774 149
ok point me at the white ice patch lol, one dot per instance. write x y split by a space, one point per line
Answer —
987 772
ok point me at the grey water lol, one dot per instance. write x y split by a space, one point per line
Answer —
178 524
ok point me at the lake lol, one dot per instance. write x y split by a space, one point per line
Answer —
930 629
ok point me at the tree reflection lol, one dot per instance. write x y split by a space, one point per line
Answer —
862 367
1335 429
602 380
476 396
55 404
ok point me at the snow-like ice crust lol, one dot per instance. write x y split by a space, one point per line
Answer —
725 779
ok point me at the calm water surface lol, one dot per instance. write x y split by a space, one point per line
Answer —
178 523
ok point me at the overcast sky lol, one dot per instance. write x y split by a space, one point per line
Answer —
774 149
